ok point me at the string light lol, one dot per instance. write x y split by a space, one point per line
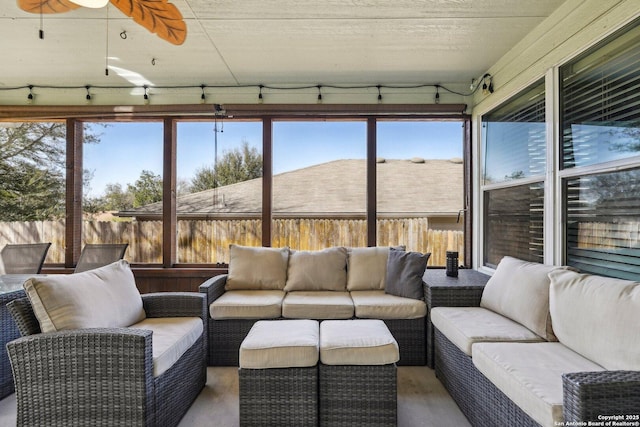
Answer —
486 80
30 97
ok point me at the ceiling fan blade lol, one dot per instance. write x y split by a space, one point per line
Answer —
46 6
157 16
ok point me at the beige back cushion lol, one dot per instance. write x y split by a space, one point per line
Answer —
324 270
257 268
597 317
367 268
106 297
519 290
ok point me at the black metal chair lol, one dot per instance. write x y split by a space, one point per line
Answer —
99 255
24 258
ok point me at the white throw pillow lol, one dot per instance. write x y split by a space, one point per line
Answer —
257 268
597 317
105 297
367 268
324 270
519 290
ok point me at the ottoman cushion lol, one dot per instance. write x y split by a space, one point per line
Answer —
280 344
357 342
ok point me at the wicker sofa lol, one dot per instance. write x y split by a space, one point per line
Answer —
335 283
96 352
544 346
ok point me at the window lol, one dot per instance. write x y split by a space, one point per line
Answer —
32 185
319 184
420 186
122 187
600 157
513 220
219 200
513 173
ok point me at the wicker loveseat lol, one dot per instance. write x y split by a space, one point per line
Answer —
544 346
107 356
335 283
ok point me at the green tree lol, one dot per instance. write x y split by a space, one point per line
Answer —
32 170
117 199
147 189
237 165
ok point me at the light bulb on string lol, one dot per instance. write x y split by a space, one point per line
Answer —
31 96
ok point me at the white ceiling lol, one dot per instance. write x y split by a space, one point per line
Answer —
271 42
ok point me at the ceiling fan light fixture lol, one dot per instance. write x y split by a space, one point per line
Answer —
94 4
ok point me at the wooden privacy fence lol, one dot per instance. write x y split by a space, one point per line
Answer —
207 241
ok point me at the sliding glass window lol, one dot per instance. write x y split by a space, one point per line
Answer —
513 173
600 156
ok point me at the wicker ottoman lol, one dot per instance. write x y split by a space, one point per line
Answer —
357 373
279 374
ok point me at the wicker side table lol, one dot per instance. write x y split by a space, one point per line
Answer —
444 291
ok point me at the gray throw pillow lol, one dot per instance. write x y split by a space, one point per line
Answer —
404 273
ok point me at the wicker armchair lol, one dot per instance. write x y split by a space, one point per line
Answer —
104 376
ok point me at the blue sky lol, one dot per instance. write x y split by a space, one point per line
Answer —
126 149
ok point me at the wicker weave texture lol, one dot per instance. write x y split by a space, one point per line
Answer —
479 400
589 395
363 396
8 332
410 334
279 397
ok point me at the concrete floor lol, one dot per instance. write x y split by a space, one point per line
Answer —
422 401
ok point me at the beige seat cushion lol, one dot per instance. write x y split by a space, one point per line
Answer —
357 342
317 305
530 374
378 305
106 297
598 317
257 268
324 270
367 268
247 305
464 326
281 344
519 290
172 337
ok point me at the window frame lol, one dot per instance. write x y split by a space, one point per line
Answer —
267 113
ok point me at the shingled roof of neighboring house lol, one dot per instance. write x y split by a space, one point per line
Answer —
413 187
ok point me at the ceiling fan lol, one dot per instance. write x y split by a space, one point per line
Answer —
157 16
